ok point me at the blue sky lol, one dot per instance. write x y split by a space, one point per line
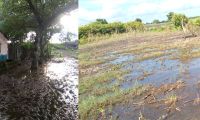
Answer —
127 10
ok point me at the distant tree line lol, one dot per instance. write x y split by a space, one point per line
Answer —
102 27
174 21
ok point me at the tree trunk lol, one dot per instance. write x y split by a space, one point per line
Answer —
36 52
43 48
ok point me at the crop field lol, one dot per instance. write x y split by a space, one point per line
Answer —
152 76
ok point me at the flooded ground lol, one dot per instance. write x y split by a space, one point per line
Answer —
154 77
158 73
51 93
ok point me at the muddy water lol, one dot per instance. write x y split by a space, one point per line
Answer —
158 72
48 94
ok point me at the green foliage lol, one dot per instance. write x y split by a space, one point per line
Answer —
27 45
156 21
138 20
197 22
170 15
157 29
102 21
22 16
134 26
177 20
97 28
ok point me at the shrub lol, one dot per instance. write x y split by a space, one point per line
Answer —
197 22
177 20
100 27
134 26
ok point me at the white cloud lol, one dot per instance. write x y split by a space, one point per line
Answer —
163 6
111 10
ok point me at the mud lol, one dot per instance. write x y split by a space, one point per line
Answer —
51 93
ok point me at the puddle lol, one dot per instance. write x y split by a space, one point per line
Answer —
123 58
153 71
163 72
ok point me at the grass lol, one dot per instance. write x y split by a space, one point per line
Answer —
105 39
171 99
88 83
97 89
88 106
101 92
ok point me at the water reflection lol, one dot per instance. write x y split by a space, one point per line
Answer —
49 94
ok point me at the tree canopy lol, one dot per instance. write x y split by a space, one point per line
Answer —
138 20
102 21
156 21
41 16
177 19
170 15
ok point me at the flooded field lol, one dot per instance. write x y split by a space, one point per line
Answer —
51 93
154 77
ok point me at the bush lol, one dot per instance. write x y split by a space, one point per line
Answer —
177 20
134 26
197 22
100 29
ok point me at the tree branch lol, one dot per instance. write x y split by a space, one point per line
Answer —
35 12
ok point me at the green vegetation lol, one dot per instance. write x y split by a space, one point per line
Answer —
19 17
156 21
138 20
102 92
170 15
108 83
103 81
101 27
177 20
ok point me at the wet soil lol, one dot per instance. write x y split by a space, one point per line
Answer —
174 83
51 93
167 77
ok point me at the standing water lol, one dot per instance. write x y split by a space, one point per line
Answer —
48 94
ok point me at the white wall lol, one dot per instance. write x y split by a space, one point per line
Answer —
4 45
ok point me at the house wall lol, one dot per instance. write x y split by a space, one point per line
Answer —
4 45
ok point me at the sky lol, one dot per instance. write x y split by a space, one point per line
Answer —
127 10
69 21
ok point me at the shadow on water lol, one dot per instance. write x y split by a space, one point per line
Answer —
48 94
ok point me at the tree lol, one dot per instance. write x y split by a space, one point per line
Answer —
35 15
170 15
156 21
102 21
177 20
138 20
